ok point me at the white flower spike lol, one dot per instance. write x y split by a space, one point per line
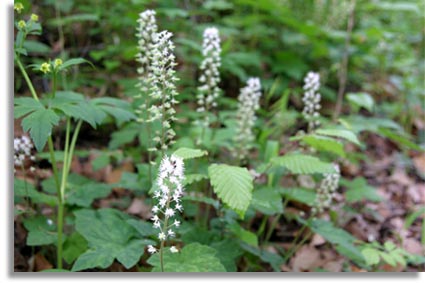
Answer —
311 100
249 102
209 91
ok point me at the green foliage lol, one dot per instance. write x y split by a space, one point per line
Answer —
302 164
233 185
267 201
40 124
359 190
345 134
40 231
361 99
192 258
189 153
106 243
389 253
337 236
323 143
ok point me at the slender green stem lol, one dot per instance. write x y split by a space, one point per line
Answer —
54 164
65 160
60 233
275 221
73 143
164 230
27 79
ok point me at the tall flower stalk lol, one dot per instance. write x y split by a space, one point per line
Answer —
170 189
326 191
162 90
146 32
311 100
249 102
209 91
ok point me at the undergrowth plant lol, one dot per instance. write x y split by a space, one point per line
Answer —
214 183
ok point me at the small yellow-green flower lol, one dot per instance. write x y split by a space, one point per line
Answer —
57 63
45 67
18 7
34 17
22 24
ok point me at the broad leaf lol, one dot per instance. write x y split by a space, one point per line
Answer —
40 231
303 195
106 242
233 185
302 164
72 62
358 190
322 143
361 99
39 124
267 200
25 189
192 258
25 105
345 134
73 247
371 256
189 153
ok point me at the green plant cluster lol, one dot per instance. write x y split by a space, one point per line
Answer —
86 83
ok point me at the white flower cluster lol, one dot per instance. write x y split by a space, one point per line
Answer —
326 191
168 194
145 33
162 89
209 90
22 150
249 102
311 99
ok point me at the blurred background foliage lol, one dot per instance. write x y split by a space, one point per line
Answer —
276 40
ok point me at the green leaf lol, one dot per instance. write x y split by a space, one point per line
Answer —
322 143
117 108
106 242
39 231
93 258
35 46
336 236
388 258
233 185
74 105
303 195
24 189
361 99
193 178
84 195
144 228
192 258
400 139
125 135
189 153
358 190
73 247
371 256
72 62
39 124
227 252
267 200
302 164
346 134
244 235
25 105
